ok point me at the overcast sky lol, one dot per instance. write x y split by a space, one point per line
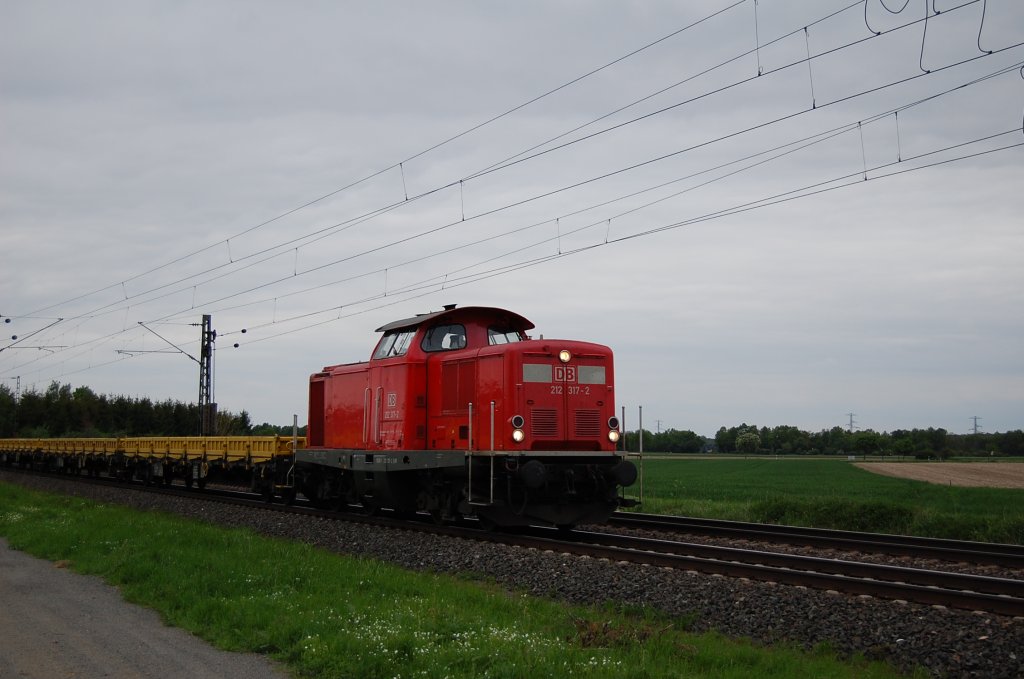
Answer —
761 239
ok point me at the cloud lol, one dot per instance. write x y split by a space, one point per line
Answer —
153 154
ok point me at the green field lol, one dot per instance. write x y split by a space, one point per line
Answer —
829 494
325 615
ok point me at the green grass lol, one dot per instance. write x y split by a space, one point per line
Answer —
324 615
830 494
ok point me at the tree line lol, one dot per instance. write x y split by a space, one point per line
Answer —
63 412
789 440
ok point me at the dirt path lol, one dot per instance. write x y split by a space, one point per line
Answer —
976 474
55 623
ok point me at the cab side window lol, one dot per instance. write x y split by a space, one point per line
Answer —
444 338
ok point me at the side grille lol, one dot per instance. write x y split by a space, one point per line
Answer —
587 423
544 422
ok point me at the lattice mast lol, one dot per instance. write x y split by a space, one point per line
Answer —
207 404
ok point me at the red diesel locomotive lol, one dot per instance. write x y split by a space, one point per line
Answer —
459 412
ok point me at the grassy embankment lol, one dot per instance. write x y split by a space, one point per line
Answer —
325 615
830 494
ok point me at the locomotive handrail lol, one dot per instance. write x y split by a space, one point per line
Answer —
377 415
366 415
492 452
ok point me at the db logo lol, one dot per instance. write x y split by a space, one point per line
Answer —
565 373
392 399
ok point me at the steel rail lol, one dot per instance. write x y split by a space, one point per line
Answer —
841 576
900 574
985 553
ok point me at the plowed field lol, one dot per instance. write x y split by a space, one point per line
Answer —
978 474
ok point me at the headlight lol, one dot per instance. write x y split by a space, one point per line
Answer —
564 355
518 435
613 436
518 421
613 422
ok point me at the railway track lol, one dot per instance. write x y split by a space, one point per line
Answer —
1002 596
956 551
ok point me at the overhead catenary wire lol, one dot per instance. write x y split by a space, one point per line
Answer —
314 236
918 102
816 188
295 271
350 257
319 234
744 81
400 165
423 289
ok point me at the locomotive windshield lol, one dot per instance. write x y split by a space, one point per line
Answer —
503 336
394 343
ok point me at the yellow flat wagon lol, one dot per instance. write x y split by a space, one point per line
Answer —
153 459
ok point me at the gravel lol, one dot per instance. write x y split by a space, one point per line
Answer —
944 641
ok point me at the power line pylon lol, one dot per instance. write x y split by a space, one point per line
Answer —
207 404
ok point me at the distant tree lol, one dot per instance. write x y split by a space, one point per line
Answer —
1012 443
85 411
834 441
675 441
901 446
8 412
57 404
61 412
725 440
748 442
31 414
632 440
229 424
785 439
866 442
267 429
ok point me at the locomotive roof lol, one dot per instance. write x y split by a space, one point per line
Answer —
484 313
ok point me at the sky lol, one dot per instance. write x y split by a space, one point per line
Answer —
784 213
